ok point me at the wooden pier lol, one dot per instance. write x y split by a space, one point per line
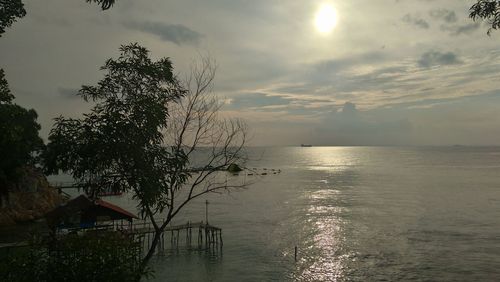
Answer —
207 236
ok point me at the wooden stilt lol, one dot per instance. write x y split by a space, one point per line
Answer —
177 243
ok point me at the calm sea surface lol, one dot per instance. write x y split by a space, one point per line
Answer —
355 214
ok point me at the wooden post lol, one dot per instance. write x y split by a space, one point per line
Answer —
206 237
187 233
206 211
190 235
200 237
177 243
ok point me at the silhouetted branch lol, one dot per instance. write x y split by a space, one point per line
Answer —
488 10
105 4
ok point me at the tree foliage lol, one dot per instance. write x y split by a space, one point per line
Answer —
105 4
93 256
6 96
19 139
10 10
488 10
118 145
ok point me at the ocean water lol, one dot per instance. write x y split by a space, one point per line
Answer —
355 214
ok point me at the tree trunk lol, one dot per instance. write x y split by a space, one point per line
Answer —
151 250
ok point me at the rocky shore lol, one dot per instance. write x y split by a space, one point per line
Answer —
29 199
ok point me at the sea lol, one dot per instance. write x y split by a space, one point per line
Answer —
353 214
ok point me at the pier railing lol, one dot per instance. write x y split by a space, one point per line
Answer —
207 236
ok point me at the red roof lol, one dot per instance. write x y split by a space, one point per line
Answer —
114 208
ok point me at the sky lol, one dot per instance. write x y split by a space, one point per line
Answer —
391 72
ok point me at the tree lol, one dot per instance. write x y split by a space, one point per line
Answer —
6 96
92 256
209 143
142 134
9 11
488 10
19 140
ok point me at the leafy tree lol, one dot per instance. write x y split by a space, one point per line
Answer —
488 10
142 134
93 256
9 11
119 143
19 140
5 95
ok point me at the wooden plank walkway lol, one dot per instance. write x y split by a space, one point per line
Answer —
146 227
208 235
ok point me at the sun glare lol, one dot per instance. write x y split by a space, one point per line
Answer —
326 18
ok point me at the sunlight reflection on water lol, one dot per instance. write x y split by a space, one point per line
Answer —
322 238
322 259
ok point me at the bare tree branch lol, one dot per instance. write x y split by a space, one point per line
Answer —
210 144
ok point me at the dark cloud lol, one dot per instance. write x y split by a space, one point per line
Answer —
416 21
175 33
444 14
349 109
436 58
70 93
456 30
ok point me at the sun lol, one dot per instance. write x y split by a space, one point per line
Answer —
326 18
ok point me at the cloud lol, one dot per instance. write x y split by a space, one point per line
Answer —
336 65
456 30
69 93
272 49
444 14
176 33
256 100
349 109
354 127
436 58
416 21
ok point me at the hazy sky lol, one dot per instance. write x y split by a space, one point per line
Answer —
391 72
